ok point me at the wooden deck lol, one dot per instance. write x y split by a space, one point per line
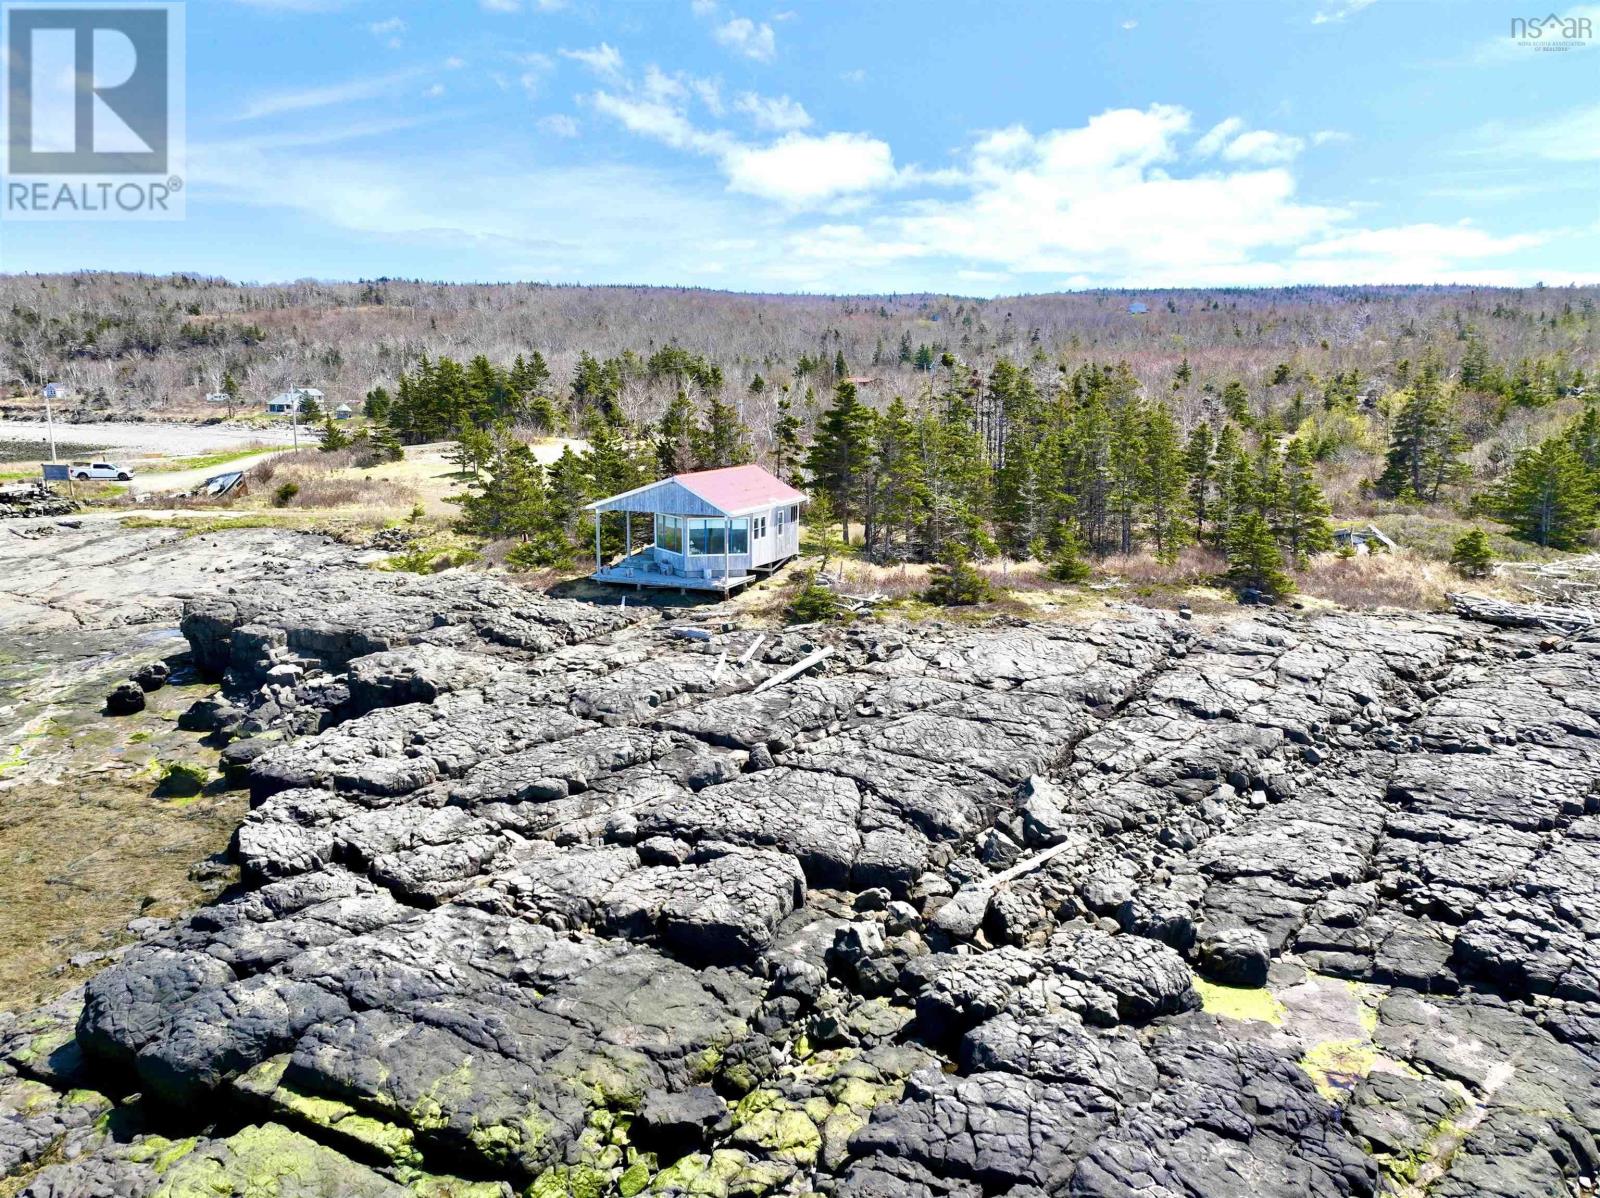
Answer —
641 570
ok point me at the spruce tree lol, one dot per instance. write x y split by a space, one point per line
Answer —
1166 484
332 438
955 581
1304 514
1548 497
1471 554
840 458
727 439
787 452
1254 559
1067 564
1201 467
678 436
901 491
1424 446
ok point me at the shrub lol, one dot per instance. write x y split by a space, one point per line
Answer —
1471 555
957 583
814 603
285 494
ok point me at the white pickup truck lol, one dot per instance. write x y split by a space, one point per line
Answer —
100 471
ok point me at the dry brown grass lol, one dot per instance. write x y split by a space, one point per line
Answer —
1377 580
1196 566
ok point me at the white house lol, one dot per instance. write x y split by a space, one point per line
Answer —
217 397
713 529
293 401
56 390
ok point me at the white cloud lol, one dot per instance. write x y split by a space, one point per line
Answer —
1130 24
659 120
1263 146
779 114
434 92
303 99
1230 140
559 125
1574 137
749 38
1217 137
802 169
855 76
1340 11
1323 137
388 32
500 5
604 60
710 93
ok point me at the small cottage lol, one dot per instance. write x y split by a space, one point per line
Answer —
711 529
293 401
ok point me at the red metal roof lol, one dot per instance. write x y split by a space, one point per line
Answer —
739 488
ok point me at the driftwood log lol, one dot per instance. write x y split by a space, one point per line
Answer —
1525 615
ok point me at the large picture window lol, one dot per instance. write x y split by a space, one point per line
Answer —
708 537
669 533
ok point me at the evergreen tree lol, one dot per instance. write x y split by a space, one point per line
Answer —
955 581
332 438
840 458
1423 444
900 491
1020 507
727 439
679 437
1254 559
1166 484
474 450
509 501
1067 564
1471 554
1548 497
310 410
787 452
376 405
230 388
1201 467
1305 527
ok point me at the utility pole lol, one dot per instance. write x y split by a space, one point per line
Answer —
294 414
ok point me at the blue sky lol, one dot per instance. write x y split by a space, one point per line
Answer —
979 148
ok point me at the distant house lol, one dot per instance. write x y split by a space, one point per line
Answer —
217 397
1138 309
56 390
343 412
1363 540
714 529
862 380
286 402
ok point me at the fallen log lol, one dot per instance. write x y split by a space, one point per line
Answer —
795 670
1524 615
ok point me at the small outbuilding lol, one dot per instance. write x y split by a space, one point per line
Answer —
343 412
712 530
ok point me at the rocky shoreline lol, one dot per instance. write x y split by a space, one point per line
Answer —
541 897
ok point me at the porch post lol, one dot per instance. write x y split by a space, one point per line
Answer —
727 547
627 525
597 540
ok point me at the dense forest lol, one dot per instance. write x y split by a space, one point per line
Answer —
1047 427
